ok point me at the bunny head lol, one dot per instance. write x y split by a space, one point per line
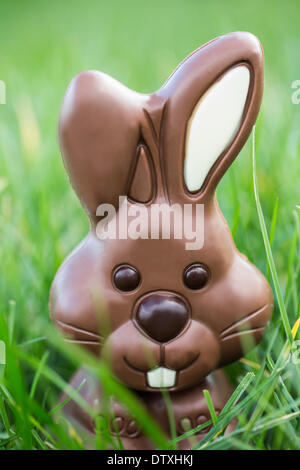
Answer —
173 312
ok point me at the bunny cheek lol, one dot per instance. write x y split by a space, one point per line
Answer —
133 356
130 355
241 336
194 354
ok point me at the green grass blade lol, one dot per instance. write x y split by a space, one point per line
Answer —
283 312
211 407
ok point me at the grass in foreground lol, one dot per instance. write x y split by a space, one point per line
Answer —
265 401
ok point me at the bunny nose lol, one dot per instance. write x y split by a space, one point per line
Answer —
162 317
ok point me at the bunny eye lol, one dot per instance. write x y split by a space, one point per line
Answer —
126 278
196 276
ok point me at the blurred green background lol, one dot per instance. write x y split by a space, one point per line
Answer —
44 44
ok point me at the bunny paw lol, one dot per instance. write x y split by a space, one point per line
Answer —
187 423
124 427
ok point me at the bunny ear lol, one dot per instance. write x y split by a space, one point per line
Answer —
99 133
213 100
214 124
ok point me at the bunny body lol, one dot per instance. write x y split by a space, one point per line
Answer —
173 315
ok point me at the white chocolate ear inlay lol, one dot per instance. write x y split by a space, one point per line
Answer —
214 123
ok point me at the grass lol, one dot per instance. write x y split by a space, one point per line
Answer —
43 45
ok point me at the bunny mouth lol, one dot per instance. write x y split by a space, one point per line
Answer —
161 376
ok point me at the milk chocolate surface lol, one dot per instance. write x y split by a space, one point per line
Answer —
172 315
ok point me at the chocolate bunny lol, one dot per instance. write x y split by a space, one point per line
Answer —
174 315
